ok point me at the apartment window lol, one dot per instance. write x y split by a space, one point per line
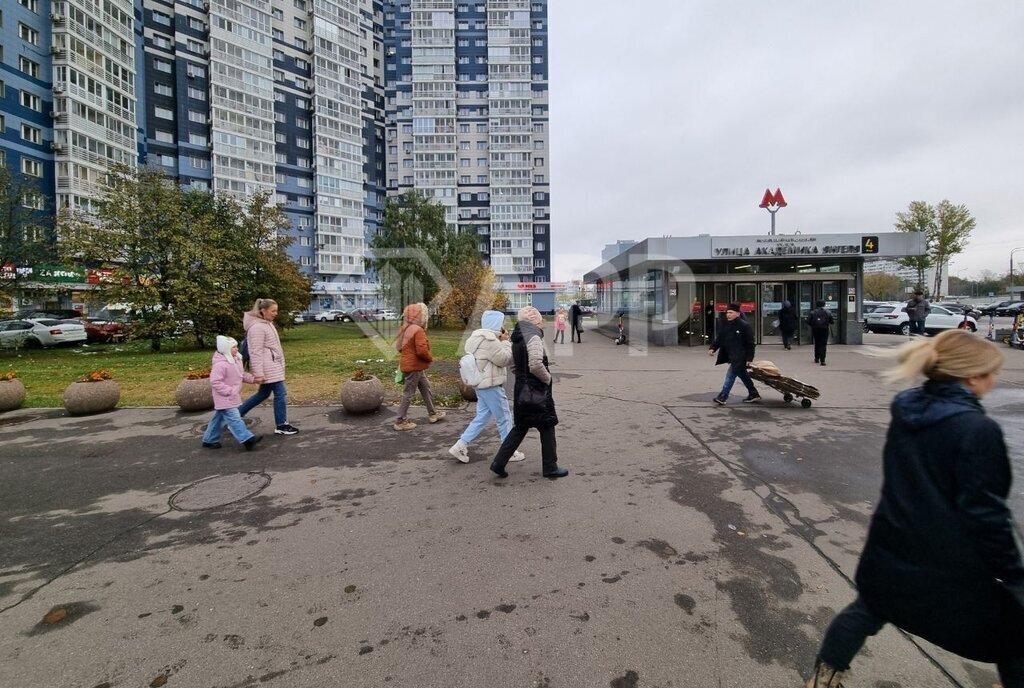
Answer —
304 182
407 162
197 93
277 13
280 178
465 197
407 180
196 116
464 179
481 42
302 162
161 18
281 158
539 246
463 128
299 23
28 66
463 145
538 128
302 123
300 83
539 196
300 5
197 139
279 96
28 34
540 229
540 263
300 43
301 64
32 168
481 145
164 136
481 179
30 5
195 46
481 59
481 162
305 260
281 138
463 43
481 128
538 145
538 42
538 162
31 101
407 128
305 202
31 134
196 24
196 71
162 90
163 113
200 163
538 59
162 42
538 25
302 103
301 142
199 184
162 66
3 124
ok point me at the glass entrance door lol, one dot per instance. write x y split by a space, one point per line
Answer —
772 295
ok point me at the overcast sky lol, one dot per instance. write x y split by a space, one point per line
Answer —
671 117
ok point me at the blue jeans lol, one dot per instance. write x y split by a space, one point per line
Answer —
737 370
280 401
489 402
230 418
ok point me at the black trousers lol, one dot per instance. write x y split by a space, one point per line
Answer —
548 450
855 624
577 334
820 337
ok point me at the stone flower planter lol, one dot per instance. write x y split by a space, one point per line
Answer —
362 396
12 395
84 398
194 395
468 393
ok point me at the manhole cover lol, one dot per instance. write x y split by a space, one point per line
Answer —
18 420
218 491
200 428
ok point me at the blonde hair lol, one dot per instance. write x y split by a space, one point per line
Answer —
260 306
952 355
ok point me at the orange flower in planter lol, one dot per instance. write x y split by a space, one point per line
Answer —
197 374
8 376
97 376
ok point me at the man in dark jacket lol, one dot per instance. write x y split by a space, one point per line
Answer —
819 320
917 311
735 346
576 322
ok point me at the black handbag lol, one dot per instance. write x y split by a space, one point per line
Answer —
533 396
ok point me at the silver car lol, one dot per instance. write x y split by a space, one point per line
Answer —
40 332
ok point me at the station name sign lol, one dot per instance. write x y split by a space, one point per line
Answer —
794 245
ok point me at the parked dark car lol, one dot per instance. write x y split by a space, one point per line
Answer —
358 315
1009 310
991 308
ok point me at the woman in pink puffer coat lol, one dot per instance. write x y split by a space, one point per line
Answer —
266 361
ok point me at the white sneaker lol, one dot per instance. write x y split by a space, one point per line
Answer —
460 451
517 456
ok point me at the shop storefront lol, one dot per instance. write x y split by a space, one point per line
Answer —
51 287
674 290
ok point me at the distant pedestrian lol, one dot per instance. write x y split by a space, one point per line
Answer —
788 321
734 345
414 346
266 361
940 561
492 351
819 320
918 309
576 322
560 322
533 404
226 377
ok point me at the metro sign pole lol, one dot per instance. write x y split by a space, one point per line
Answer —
772 202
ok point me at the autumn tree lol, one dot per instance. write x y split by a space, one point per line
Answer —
881 286
946 227
26 234
474 289
415 248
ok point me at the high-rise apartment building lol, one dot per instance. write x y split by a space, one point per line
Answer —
329 105
467 121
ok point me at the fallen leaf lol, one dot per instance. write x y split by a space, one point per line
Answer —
160 680
55 615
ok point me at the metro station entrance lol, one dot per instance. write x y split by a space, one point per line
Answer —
702 308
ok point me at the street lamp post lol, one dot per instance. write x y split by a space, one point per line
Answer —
1019 248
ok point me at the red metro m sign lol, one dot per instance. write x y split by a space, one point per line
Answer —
772 199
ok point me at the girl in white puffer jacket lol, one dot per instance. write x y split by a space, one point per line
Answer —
493 353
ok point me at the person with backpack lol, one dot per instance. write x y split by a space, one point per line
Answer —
533 403
819 320
787 323
576 322
414 346
485 367
941 561
226 378
266 362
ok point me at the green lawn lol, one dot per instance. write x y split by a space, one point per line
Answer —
319 357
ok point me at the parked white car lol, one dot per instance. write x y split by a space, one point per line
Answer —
892 317
40 332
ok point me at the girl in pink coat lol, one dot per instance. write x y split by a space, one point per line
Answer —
226 377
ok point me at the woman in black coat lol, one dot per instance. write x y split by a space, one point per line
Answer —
787 323
533 405
940 561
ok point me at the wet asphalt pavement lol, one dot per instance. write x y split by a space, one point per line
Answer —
690 545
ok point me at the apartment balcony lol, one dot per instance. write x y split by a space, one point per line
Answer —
506 5
432 5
